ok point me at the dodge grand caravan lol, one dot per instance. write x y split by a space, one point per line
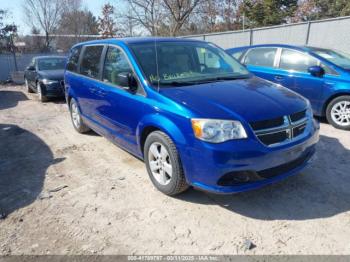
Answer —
193 114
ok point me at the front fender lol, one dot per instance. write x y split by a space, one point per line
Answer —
162 123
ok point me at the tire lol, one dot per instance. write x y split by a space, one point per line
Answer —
77 121
159 162
29 90
41 97
338 112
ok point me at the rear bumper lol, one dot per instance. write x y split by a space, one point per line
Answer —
206 164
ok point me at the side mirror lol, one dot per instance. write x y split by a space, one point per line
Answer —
128 81
31 68
316 71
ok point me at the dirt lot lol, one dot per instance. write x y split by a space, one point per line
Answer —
66 193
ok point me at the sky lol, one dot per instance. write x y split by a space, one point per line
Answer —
16 12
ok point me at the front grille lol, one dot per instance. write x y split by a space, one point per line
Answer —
273 138
298 116
284 168
264 124
278 130
298 130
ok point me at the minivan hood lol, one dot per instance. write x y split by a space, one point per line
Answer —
52 74
253 99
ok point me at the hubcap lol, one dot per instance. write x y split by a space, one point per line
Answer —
160 163
75 115
341 113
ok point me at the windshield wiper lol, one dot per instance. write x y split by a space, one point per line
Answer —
174 83
219 78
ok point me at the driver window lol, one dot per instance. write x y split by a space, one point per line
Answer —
115 63
296 61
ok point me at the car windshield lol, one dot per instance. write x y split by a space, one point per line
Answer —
338 58
55 63
179 63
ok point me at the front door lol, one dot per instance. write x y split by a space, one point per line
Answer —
292 73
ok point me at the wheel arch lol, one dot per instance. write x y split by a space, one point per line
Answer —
155 122
331 98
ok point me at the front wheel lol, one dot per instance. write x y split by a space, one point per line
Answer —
163 164
29 90
338 112
41 97
76 117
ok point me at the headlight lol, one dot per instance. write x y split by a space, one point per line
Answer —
49 82
217 131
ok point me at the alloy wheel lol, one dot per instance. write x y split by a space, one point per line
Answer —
160 163
340 113
75 115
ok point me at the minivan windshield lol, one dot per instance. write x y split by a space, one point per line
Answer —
178 63
55 63
338 58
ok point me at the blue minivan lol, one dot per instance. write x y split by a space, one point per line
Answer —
194 114
321 75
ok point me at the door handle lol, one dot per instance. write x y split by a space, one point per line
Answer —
279 78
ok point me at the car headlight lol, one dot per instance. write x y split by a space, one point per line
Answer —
217 131
49 82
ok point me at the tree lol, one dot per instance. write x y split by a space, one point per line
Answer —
44 14
329 9
149 14
268 12
8 33
106 24
179 12
77 23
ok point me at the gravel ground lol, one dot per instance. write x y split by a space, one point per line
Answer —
66 193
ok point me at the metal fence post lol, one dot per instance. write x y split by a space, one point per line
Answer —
308 33
250 36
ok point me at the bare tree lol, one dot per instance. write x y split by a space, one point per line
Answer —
148 14
179 11
106 23
44 14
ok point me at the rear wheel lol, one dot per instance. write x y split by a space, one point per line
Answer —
163 164
338 112
76 117
41 97
29 90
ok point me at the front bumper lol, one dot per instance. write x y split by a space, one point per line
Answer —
53 90
205 164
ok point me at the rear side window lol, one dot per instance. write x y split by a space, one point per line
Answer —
115 64
90 63
261 57
73 60
296 61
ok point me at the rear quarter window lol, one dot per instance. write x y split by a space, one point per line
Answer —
72 64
